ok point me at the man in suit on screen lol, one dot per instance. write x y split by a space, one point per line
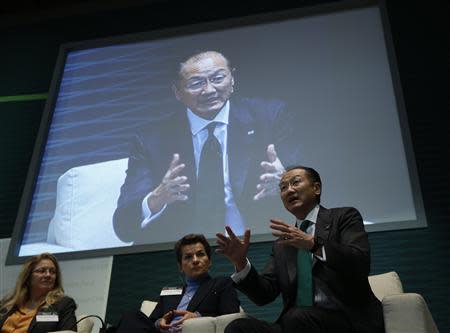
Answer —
189 172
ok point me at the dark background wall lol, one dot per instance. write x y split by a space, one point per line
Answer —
30 39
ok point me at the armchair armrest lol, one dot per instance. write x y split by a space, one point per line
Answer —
147 307
200 325
224 320
407 313
210 324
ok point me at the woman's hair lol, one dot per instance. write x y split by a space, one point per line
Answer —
21 293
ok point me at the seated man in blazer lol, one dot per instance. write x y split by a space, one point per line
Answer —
319 265
202 295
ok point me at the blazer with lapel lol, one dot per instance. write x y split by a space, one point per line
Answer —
214 297
343 277
65 308
253 124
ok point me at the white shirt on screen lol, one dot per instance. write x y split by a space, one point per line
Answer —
199 135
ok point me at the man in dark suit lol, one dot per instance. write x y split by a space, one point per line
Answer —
163 188
335 243
202 295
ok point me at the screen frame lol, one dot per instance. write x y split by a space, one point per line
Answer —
251 20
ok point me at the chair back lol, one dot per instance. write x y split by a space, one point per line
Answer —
385 284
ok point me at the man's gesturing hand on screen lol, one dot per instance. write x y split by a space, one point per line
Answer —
172 187
271 175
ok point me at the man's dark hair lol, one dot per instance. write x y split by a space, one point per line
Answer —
191 239
313 175
181 60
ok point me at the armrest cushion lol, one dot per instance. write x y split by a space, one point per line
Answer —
224 320
147 307
406 313
200 325
85 325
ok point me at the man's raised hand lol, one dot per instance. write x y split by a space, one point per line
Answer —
234 248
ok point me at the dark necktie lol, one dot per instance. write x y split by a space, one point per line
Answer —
210 194
304 276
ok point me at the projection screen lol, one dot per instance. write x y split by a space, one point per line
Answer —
319 84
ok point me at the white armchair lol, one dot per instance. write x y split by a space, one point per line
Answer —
403 312
202 324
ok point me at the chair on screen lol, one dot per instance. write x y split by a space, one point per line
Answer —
86 198
85 203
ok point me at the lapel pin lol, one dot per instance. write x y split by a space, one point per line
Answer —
251 132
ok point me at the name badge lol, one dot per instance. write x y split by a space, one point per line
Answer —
170 291
47 317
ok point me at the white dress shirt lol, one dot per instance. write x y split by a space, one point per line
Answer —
199 133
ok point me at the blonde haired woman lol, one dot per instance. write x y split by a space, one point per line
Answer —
38 303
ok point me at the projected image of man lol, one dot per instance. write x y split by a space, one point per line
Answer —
189 171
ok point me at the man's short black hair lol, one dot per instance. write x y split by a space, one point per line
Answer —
191 239
183 57
313 175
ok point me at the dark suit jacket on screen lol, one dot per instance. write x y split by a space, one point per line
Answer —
253 124
65 308
343 277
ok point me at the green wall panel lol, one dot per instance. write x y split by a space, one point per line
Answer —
19 123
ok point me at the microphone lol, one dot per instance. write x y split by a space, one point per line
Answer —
101 330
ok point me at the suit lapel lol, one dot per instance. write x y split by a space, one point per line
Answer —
323 225
171 302
291 263
184 146
241 136
203 290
